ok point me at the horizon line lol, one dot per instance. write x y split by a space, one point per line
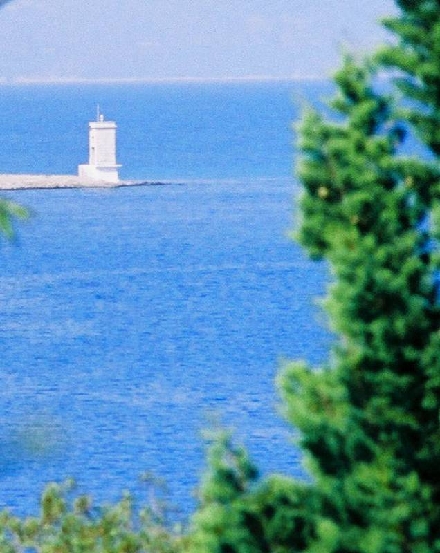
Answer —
157 80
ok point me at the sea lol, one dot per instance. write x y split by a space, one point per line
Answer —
135 319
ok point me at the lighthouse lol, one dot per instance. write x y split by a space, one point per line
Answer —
102 164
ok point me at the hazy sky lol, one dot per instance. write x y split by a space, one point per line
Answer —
156 39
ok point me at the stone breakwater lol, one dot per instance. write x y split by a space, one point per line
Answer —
28 182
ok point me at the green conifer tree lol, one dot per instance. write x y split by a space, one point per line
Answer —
368 420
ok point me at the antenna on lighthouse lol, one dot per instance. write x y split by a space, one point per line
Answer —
98 113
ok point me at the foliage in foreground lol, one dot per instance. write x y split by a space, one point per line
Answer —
369 419
74 525
9 213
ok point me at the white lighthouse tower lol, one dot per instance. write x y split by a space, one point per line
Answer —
102 164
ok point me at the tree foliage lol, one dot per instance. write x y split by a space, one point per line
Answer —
416 56
9 213
73 524
368 419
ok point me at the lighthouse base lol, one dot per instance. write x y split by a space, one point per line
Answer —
99 173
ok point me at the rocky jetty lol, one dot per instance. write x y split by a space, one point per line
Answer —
28 182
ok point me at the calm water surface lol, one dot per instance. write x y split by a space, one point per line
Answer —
129 316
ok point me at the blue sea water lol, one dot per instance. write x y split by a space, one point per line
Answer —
129 317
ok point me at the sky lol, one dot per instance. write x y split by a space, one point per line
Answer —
56 40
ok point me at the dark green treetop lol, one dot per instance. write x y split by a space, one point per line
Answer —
416 57
369 420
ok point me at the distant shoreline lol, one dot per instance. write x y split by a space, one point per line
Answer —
257 79
38 182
